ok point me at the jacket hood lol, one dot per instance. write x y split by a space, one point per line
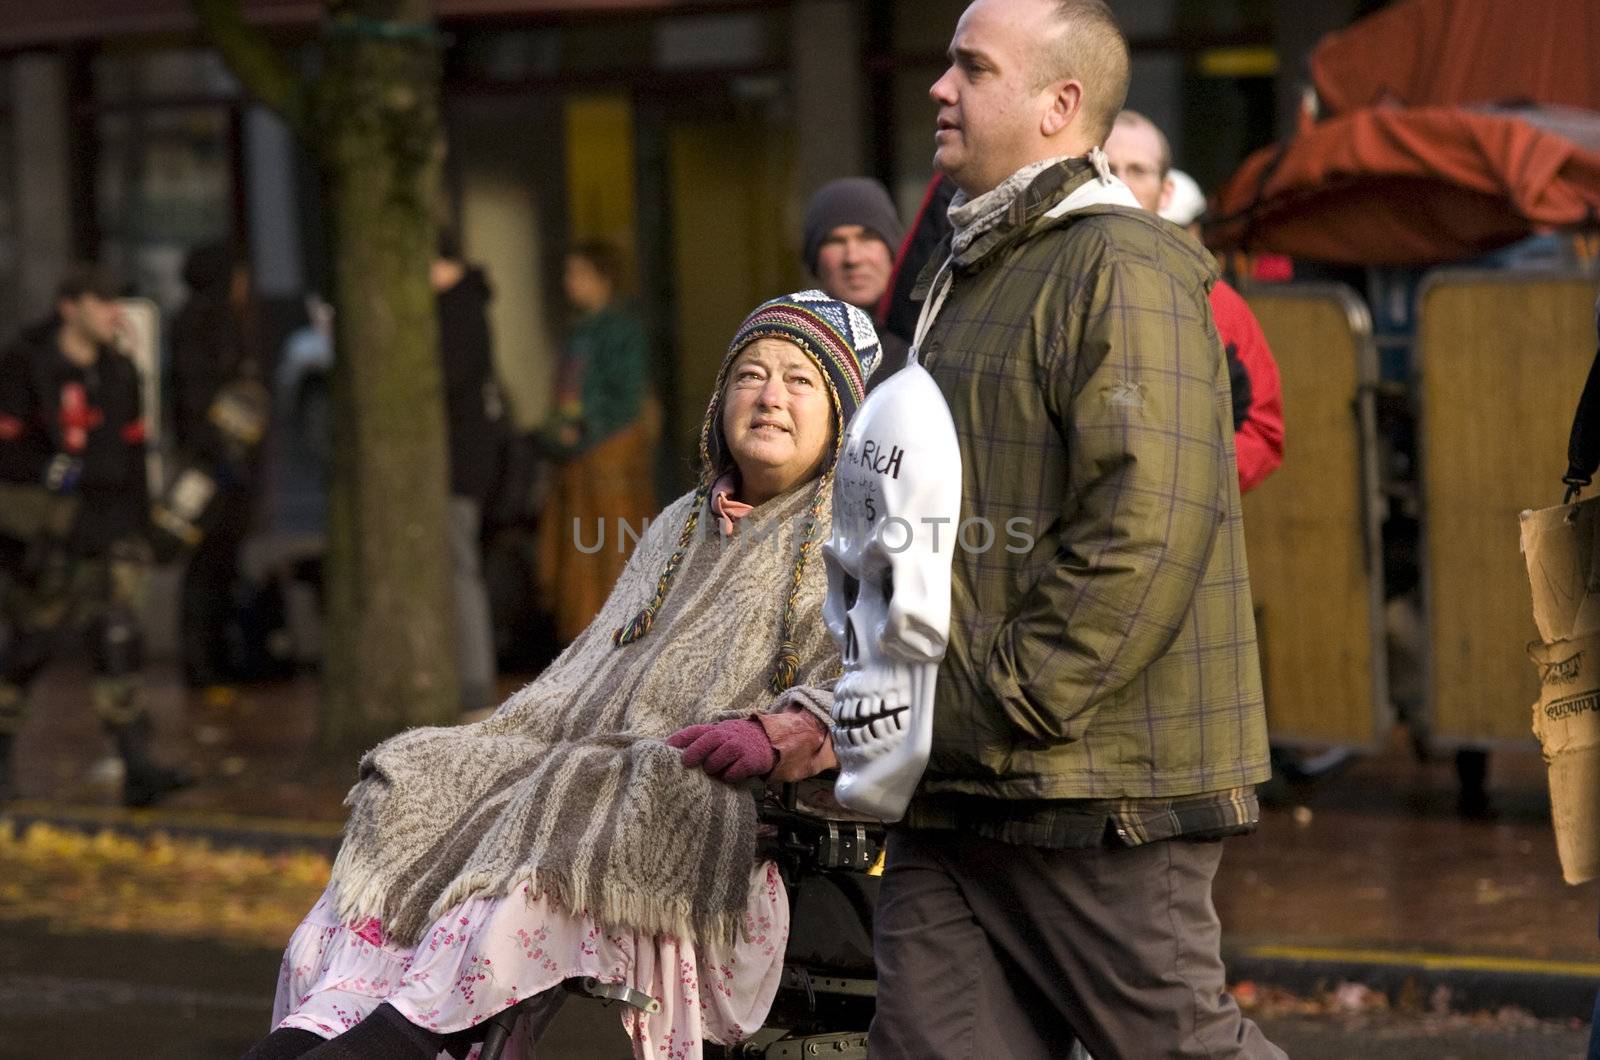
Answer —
1064 194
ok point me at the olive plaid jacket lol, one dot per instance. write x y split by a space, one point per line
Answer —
1103 648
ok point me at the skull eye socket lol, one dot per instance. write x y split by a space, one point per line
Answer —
852 590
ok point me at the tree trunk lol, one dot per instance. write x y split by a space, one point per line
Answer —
372 121
391 615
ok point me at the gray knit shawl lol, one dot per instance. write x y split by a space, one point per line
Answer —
569 786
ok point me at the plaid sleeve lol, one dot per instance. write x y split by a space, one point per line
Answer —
1137 393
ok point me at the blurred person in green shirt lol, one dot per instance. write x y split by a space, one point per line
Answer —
603 434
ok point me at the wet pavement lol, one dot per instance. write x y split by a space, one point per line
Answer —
1377 859
147 996
78 997
1368 875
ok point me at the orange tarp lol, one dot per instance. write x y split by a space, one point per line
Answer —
1463 51
1406 187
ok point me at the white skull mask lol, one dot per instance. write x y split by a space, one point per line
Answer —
896 505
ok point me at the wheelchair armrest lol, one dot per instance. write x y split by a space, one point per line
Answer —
808 840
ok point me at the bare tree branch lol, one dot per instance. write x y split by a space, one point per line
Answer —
261 68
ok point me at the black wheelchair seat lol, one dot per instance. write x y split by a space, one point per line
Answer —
830 859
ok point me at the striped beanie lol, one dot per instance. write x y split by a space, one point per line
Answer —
842 342
839 337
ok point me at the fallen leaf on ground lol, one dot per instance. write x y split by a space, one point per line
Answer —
155 884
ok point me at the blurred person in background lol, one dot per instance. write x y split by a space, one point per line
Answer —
474 417
301 405
74 522
851 234
1139 153
603 435
212 349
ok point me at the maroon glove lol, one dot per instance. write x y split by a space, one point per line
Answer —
732 751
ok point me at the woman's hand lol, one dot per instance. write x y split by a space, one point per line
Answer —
732 751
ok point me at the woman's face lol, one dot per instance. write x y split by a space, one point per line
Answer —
777 418
587 288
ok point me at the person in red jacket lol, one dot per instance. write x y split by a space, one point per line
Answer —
1257 397
1139 154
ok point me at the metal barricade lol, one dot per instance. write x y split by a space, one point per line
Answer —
1501 358
1312 529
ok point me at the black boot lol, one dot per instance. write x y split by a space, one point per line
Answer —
144 782
285 1043
383 1035
8 783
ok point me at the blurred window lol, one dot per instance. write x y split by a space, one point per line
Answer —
618 48
166 162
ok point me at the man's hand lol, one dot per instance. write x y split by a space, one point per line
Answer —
732 751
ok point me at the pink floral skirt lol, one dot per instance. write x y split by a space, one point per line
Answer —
490 953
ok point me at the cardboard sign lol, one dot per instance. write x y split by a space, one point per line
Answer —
1567 721
1559 545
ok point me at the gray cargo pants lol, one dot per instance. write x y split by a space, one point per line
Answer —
988 950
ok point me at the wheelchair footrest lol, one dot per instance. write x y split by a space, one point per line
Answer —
589 986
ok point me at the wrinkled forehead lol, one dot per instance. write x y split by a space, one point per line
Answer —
775 353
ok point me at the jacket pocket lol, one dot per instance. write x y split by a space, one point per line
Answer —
971 735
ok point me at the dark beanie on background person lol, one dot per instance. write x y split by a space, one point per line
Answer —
850 201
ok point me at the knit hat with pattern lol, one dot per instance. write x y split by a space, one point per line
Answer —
841 340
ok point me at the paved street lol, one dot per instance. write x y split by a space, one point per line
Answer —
115 923
84 997
117 995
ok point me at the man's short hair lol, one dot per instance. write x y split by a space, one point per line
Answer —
1089 47
83 277
1132 119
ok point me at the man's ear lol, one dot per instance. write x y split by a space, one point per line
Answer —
1166 194
1065 105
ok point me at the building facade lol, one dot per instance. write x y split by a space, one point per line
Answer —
689 133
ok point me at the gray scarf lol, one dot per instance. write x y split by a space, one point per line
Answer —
570 787
972 218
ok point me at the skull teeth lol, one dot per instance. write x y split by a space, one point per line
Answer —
871 714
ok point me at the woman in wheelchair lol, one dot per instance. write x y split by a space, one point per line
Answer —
598 825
